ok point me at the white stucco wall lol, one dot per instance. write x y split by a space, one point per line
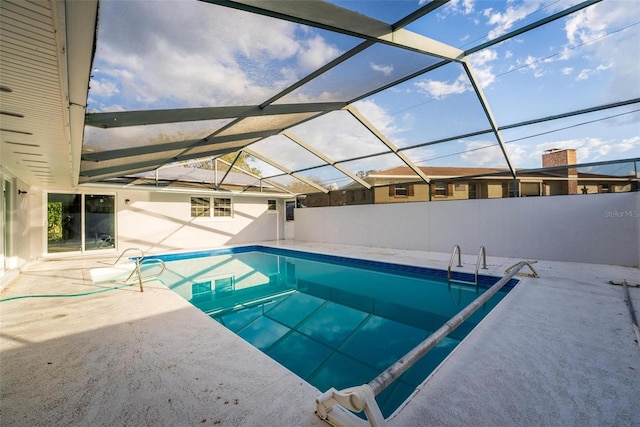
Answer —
14 254
156 222
161 221
600 228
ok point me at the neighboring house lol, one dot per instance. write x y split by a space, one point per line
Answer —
401 184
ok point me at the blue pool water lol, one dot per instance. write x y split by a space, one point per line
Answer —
334 321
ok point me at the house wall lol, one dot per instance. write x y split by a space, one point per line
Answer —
494 190
156 222
14 224
599 228
161 221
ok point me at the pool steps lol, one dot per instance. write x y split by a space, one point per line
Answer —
482 256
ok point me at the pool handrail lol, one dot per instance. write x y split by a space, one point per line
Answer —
456 248
362 398
481 255
139 260
129 250
141 278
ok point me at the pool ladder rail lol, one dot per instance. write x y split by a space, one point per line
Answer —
482 256
139 260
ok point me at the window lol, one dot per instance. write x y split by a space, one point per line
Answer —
222 207
401 190
272 205
200 207
440 189
605 188
459 187
290 207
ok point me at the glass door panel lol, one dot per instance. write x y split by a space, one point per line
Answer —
64 223
99 215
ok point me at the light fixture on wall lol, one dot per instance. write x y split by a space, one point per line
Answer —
126 201
21 192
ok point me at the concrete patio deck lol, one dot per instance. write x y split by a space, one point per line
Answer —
558 350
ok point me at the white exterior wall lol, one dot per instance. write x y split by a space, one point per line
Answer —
600 228
157 222
161 221
13 253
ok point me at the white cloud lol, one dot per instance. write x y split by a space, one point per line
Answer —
440 89
629 144
481 65
504 21
103 88
566 70
196 56
484 57
584 74
588 72
377 115
464 7
384 69
340 136
315 53
588 149
584 26
531 63
606 34
483 153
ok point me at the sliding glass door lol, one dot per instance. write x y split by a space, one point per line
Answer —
78 222
99 215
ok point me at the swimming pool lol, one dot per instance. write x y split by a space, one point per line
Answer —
333 321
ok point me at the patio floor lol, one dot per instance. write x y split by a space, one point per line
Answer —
558 350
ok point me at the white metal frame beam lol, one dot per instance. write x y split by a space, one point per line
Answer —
242 171
320 14
326 159
355 113
286 170
487 110
152 117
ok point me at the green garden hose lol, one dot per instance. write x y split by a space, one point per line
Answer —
82 294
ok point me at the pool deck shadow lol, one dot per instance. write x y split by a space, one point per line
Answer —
558 350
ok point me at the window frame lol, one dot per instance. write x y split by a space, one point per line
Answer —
224 208
212 208
205 209
400 191
440 189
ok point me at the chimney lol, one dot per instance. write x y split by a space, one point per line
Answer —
555 157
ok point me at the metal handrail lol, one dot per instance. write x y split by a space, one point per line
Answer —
483 254
139 262
456 248
362 398
129 250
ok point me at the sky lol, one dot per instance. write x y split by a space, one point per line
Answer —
163 54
